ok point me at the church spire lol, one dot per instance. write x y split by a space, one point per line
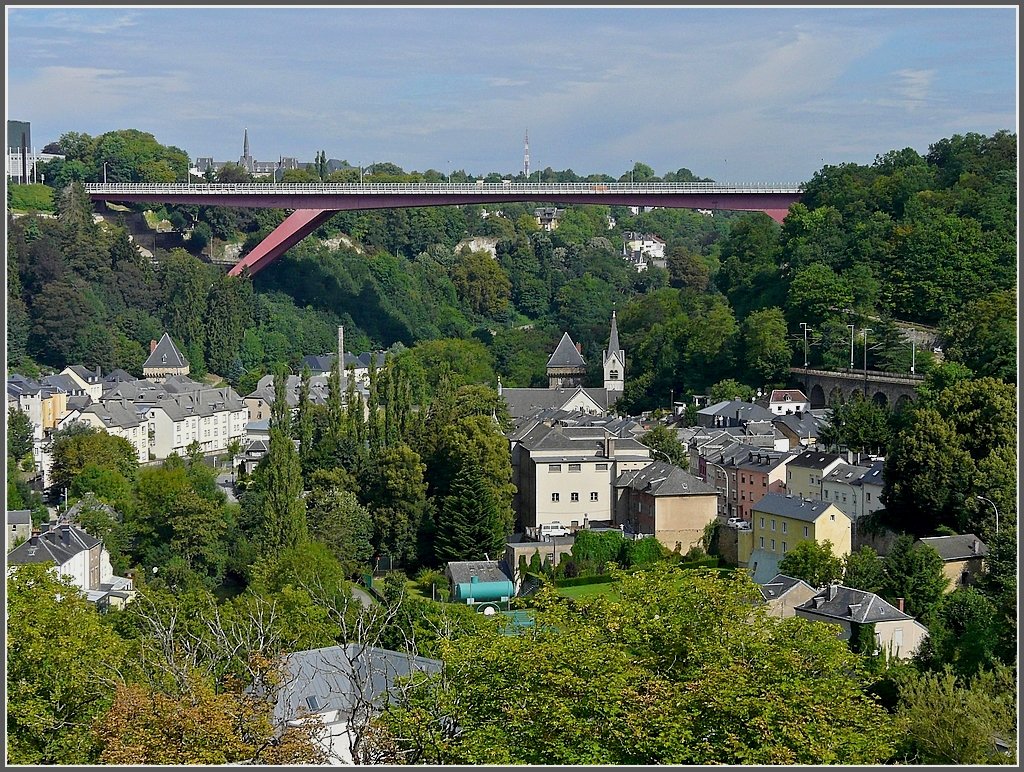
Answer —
613 338
245 144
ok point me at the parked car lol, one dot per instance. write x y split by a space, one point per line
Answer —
554 528
736 522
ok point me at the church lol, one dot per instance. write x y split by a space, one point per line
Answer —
566 371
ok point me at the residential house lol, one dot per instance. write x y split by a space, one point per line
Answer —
763 472
782 594
360 365
780 522
805 473
213 418
547 217
838 486
90 381
19 526
79 556
870 485
895 632
119 418
800 429
642 249
666 502
551 549
343 686
566 474
788 402
963 557
164 359
258 403
731 412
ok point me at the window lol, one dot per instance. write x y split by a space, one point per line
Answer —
784 525
773 524
773 545
554 467
601 467
613 375
554 497
833 517
762 542
574 467
784 548
867 496
743 478
593 495
762 522
764 482
805 530
574 497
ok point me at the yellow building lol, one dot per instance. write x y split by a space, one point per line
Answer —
780 522
53 406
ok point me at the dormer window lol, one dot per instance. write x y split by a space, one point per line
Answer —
163 358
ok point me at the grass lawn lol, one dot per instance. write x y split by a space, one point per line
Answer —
588 590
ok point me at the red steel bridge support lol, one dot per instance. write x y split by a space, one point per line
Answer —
314 203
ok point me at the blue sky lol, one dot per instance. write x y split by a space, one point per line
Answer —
740 95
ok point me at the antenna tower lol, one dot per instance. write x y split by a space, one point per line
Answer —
526 155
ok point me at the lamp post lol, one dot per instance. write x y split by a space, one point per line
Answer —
104 172
806 330
913 352
851 346
719 466
994 507
865 331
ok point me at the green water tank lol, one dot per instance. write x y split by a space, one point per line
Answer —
476 591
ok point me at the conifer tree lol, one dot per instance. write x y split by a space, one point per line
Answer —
469 524
284 510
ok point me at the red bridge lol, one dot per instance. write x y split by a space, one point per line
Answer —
315 203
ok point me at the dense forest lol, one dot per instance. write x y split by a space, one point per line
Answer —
422 476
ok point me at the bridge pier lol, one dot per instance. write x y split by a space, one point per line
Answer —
824 386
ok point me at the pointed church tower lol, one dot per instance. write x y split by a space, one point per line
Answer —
614 361
246 160
566 366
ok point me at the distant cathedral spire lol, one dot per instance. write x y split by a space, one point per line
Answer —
246 160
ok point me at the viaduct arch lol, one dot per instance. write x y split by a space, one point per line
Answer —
886 389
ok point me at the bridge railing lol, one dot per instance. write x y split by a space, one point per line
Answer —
852 375
542 188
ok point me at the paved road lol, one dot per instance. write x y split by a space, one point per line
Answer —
224 482
361 595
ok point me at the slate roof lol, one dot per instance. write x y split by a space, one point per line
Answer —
62 382
111 413
846 473
792 506
582 441
342 678
319 389
566 354
804 425
959 547
165 355
204 402
814 459
779 585
840 602
463 571
762 460
530 401
89 501
87 375
57 545
19 517
737 410
663 479
873 476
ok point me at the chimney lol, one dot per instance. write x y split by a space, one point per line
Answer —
609 446
832 592
975 546
152 346
899 604
579 348
341 354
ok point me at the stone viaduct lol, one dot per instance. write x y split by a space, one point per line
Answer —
888 389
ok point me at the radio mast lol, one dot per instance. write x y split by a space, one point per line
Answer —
526 155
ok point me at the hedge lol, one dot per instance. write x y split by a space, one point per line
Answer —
581 580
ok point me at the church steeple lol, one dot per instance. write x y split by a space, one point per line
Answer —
614 361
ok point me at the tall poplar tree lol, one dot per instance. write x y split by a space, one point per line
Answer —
284 510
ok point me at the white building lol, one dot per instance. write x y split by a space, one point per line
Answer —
788 402
642 249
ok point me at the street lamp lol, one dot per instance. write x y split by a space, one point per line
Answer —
913 352
104 172
851 346
865 331
982 498
718 466
806 330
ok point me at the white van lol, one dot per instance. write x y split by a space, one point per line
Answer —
554 528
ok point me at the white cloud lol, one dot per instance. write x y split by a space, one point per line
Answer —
913 87
89 22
